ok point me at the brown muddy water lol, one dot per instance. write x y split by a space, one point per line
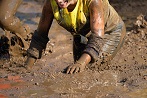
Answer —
125 77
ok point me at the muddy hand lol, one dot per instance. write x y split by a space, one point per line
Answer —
30 62
76 68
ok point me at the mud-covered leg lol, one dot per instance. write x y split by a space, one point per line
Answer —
10 22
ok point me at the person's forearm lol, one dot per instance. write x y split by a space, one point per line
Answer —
46 19
84 59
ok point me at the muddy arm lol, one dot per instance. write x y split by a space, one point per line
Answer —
97 29
40 36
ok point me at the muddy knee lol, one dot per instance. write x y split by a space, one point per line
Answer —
14 25
9 22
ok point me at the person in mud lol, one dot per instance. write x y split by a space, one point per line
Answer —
11 24
97 29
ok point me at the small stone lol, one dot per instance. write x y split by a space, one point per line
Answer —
37 84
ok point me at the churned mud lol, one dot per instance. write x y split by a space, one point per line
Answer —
125 77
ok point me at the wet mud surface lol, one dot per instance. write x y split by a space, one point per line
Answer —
125 77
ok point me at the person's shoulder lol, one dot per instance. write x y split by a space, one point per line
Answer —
47 2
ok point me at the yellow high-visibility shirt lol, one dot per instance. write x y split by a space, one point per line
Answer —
74 21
